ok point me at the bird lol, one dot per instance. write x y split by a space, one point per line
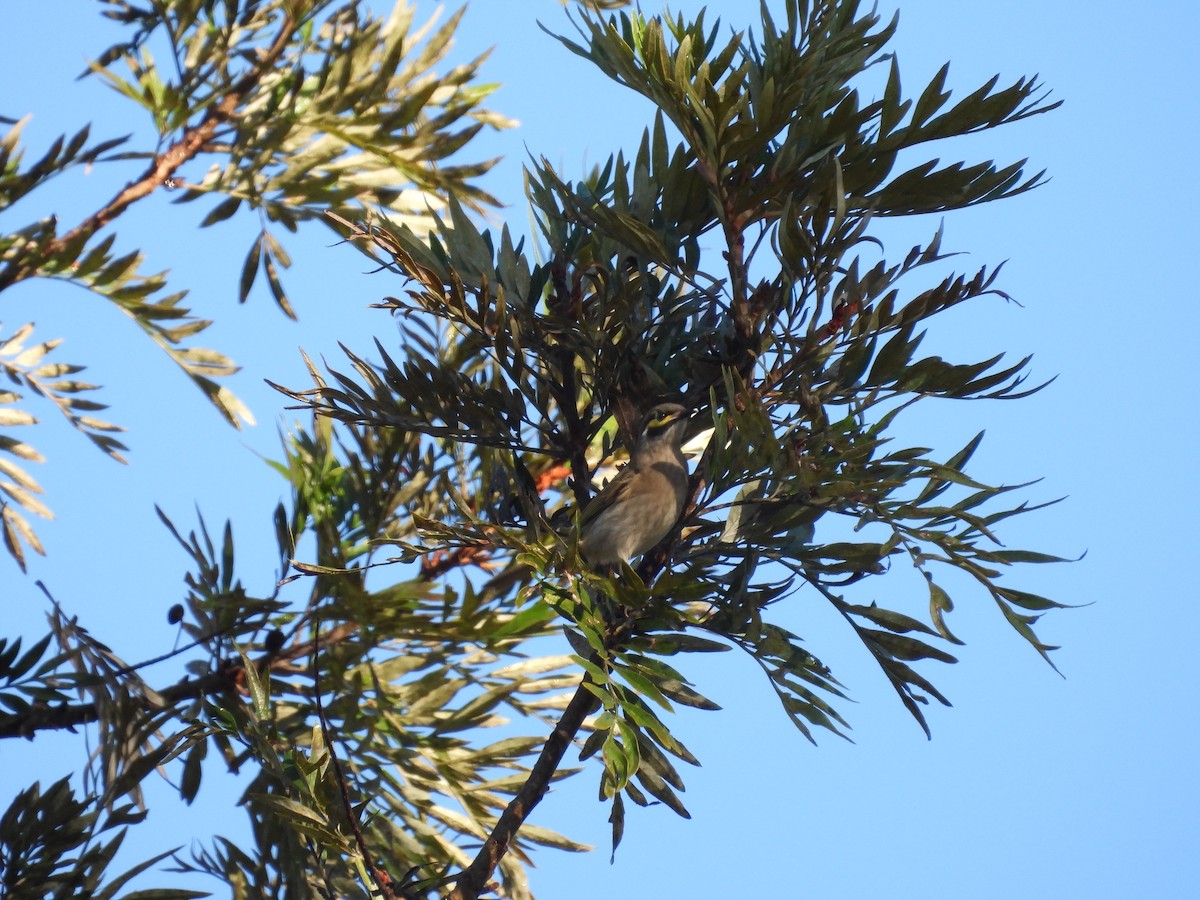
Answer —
636 510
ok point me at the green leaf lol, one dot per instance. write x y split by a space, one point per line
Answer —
932 98
259 687
682 693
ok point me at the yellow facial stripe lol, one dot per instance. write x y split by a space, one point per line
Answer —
661 421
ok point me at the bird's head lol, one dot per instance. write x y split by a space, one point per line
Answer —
663 424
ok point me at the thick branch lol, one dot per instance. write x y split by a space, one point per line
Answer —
474 879
42 717
162 167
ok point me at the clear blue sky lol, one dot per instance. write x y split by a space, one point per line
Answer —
1033 785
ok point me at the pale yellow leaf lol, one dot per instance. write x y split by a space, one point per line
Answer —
19 475
16 522
13 344
17 448
33 355
26 499
16 417
235 408
98 424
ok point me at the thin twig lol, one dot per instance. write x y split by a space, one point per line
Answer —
382 880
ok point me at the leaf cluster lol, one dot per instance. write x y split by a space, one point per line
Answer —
428 559
72 859
798 346
293 109
359 706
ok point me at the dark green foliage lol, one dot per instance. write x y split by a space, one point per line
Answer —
70 860
293 109
799 344
427 556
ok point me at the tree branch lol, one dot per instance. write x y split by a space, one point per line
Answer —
43 717
161 168
383 880
473 880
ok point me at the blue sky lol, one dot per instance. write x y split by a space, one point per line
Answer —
1033 785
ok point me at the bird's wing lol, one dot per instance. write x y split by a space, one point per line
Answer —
612 493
